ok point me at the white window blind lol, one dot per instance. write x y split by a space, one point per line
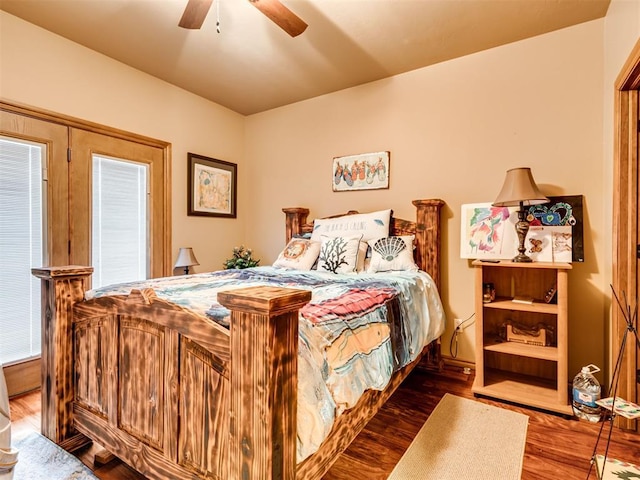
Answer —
21 248
120 224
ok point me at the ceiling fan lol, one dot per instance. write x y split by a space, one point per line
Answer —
196 11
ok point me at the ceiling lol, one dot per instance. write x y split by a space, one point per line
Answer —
252 65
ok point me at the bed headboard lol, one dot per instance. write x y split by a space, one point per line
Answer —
426 228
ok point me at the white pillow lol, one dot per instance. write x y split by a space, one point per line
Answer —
339 254
299 254
392 253
363 248
369 225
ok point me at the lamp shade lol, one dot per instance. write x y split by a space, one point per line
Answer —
186 258
519 187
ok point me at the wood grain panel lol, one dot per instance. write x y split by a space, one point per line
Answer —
147 306
91 340
429 237
141 383
204 407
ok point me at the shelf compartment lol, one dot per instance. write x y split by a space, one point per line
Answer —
523 350
524 390
503 303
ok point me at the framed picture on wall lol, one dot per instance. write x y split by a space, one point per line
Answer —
211 187
365 171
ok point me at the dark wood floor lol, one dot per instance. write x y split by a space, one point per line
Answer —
557 448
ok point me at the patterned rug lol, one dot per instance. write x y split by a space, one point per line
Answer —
466 440
41 459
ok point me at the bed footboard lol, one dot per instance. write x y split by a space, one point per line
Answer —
170 392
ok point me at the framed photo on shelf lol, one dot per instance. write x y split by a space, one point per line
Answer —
211 187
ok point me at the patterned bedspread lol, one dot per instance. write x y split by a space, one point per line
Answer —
356 331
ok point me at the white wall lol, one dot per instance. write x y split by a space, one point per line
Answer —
44 70
453 130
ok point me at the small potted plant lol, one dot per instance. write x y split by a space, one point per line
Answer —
241 259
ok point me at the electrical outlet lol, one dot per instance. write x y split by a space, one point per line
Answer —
458 325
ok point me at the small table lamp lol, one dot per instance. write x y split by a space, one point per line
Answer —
519 189
186 259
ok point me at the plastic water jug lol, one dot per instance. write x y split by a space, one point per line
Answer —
586 390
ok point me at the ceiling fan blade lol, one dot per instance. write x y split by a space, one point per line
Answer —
281 16
195 13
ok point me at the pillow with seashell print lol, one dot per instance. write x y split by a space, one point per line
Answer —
392 253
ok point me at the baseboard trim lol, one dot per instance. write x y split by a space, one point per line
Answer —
23 377
458 363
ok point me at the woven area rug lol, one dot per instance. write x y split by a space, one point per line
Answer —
466 440
41 459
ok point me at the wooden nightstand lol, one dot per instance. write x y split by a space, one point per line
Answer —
524 373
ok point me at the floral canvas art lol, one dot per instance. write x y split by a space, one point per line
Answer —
488 232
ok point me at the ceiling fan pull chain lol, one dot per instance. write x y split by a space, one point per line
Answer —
218 16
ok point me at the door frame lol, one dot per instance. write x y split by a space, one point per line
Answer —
25 376
72 122
626 237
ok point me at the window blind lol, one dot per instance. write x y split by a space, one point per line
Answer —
120 222
21 248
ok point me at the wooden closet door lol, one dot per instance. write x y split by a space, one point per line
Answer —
84 144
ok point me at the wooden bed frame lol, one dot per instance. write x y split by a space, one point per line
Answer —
175 395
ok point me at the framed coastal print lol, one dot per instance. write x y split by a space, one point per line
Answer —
365 171
211 187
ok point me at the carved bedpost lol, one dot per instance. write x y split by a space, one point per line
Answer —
62 287
264 381
428 236
295 218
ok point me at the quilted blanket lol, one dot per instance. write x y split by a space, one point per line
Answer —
356 331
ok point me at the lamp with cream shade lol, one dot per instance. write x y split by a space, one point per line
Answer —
186 259
519 189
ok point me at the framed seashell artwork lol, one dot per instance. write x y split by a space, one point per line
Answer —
365 171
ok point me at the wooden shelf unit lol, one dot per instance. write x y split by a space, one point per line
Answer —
526 374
